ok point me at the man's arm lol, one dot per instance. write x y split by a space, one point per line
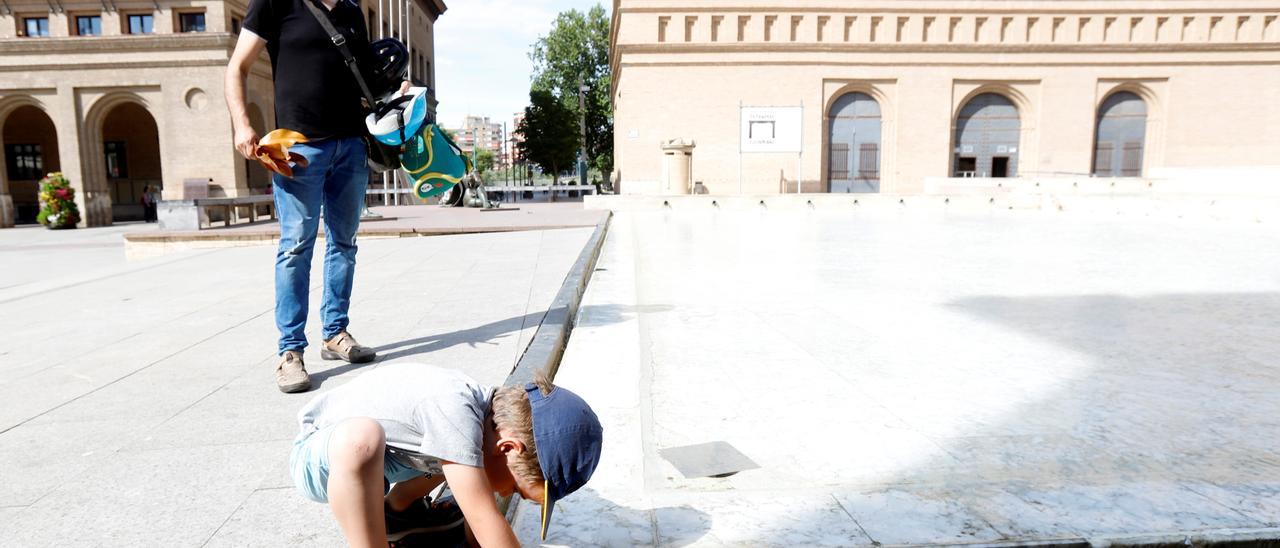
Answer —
475 496
248 48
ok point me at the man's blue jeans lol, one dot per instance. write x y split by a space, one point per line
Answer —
334 181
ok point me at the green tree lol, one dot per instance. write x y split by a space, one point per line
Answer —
484 160
550 134
578 48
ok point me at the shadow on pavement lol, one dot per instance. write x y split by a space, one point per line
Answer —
486 334
586 518
1169 429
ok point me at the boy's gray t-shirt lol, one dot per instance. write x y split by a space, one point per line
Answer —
429 413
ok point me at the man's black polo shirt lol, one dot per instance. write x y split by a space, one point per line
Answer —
316 95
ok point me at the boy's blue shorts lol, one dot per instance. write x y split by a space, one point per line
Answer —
309 465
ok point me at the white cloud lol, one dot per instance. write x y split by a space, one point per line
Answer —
482 54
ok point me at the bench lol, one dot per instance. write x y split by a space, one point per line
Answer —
231 206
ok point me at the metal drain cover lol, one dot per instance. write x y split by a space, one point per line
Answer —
715 459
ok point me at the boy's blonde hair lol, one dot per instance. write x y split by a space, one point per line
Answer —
513 415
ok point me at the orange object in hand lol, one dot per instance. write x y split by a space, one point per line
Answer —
273 151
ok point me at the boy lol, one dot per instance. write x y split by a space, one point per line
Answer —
416 426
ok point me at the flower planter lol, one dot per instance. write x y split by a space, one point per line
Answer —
57 203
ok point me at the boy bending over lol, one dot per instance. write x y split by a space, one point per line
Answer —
415 426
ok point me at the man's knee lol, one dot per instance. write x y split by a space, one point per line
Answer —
357 443
296 248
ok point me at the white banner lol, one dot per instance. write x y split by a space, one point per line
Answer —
771 129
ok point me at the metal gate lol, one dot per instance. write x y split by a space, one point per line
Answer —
853 143
1121 136
988 132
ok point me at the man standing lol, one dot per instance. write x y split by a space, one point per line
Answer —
317 96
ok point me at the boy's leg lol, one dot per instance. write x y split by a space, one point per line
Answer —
355 481
298 202
344 191
403 494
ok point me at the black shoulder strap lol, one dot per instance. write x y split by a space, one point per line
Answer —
341 42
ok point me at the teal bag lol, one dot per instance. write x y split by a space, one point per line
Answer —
433 162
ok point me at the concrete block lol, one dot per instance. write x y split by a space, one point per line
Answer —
769 518
586 518
1258 501
903 517
37 458
179 495
279 517
180 215
1126 508
235 413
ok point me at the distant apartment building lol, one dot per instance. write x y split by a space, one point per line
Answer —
119 94
514 138
478 132
767 96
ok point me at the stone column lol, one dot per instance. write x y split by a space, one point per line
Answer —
7 213
678 166
62 110
71 150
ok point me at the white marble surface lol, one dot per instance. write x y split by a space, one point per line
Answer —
925 378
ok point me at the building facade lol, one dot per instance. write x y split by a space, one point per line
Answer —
890 96
477 132
121 94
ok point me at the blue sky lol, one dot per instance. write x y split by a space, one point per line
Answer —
482 54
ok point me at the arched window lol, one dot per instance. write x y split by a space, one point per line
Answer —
987 136
854 144
1121 136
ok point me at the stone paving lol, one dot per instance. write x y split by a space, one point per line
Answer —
518 215
137 402
955 378
396 222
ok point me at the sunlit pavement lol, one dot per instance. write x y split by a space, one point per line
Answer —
138 405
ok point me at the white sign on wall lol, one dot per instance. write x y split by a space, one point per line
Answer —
771 129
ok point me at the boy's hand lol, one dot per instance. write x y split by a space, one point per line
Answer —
474 495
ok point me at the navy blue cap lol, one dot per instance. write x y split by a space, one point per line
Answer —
568 438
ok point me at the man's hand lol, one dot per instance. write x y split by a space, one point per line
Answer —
404 87
247 142
471 489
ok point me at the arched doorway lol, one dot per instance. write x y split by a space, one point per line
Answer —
853 139
988 131
258 179
30 152
131 156
1120 136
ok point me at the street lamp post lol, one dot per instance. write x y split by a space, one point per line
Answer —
582 126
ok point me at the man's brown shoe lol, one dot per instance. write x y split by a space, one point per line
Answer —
291 374
344 347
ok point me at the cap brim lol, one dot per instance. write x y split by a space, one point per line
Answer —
548 506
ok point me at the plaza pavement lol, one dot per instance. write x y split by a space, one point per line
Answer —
396 222
137 398
997 377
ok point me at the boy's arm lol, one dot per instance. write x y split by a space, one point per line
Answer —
474 495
